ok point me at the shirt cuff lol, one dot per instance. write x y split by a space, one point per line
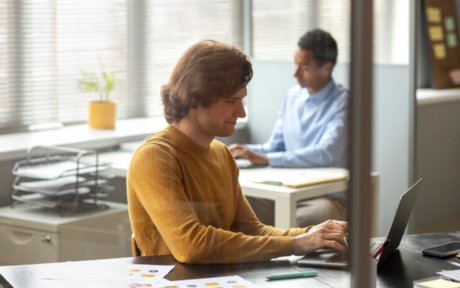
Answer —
275 159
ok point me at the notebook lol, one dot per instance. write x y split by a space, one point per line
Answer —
328 258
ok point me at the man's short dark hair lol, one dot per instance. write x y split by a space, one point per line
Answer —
207 71
322 44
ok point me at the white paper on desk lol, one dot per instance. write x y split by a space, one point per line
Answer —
109 273
297 179
221 282
80 284
452 274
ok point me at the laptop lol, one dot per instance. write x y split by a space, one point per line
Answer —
332 258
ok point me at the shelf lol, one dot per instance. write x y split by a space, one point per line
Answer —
57 177
436 96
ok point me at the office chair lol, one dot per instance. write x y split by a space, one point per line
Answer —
134 248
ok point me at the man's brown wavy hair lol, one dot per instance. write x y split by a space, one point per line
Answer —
206 72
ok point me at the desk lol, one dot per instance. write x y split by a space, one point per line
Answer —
400 270
285 198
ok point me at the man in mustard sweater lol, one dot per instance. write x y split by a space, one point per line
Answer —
184 197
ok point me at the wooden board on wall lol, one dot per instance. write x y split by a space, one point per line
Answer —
440 25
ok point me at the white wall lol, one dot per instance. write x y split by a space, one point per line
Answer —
390 128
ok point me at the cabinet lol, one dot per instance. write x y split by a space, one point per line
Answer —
31 234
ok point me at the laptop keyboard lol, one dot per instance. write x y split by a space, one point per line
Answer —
338 258
343 257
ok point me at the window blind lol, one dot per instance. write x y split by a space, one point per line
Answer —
279 24
6 103
166 28
49 43
46 44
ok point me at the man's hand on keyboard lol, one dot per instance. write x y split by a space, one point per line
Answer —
329 234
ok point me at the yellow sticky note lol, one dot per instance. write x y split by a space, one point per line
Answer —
134 270
148 275
211 284
439 283
439 51
436 33
433 14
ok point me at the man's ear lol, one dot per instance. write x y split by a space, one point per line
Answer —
328 67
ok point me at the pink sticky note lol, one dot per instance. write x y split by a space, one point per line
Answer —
455 76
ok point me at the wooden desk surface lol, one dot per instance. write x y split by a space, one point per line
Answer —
401 269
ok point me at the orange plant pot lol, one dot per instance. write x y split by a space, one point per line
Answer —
102 114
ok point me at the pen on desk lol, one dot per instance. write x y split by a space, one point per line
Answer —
292 275
380 249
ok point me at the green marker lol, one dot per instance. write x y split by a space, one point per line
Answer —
292 275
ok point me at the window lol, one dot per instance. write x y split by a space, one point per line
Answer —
46 44
49 43
5 100
168 28
279 24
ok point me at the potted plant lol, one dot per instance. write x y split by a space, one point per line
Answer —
102 113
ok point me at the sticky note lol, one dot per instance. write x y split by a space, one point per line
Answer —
455 77
452 40
439 283
433 14
436 33
449 23
148 275
439 51
211 284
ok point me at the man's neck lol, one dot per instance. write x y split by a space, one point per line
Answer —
196 135
319 87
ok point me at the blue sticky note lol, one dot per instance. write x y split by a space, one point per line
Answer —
449 23
451 40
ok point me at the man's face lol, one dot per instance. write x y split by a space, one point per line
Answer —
220 118
307 72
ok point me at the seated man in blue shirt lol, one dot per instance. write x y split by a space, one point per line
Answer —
311 130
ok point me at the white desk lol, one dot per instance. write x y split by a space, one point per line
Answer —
285 198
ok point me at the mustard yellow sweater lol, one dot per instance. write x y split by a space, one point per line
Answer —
185 200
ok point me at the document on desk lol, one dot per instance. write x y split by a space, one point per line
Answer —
452 274
222 282
298 179
116 273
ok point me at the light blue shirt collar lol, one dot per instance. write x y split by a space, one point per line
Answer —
321 94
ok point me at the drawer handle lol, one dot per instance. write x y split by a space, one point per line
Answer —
47 239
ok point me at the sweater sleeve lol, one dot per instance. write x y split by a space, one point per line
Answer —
156 179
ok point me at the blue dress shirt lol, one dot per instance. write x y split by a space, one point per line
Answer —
311 130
